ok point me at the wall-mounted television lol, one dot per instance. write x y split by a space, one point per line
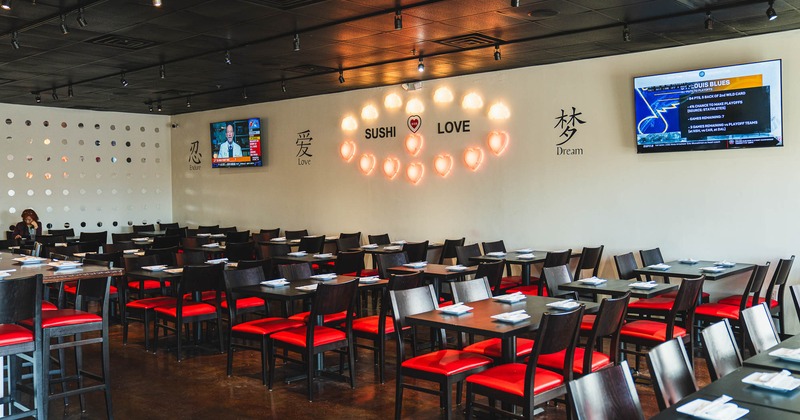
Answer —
729 107
236 143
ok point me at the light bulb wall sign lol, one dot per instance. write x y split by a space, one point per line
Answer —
448 132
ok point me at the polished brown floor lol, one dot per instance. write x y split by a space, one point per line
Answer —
156 386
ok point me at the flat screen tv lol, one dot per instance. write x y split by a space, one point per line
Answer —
729 107
236 143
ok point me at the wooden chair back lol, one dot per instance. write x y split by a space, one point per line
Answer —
608 394
759 329
671 372
471 290
720 349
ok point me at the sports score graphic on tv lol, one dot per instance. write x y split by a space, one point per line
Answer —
236 143
728 107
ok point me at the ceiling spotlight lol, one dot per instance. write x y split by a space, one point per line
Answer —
341 76
38 99
497 52
771 15
64 29
709 21
283 87
157 3
70 92
55 95
244 93
421 65
227 57
626 33
81 19
296 42
158 107
514 3
14 40
398 20
6 5
150 107
188 102
122 80
162 71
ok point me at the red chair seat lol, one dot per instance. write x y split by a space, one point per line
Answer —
48 306
528 290
369 272
265 326
511 280
64 317
243 303
737 300
150 303
148 284
705 297
369 324
446 362
189 309
718 310
656 303
556 360
303 317
587 322
510 379
322 335
493 347
650 330
11 334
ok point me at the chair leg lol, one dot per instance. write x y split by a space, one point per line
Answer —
230 356
448 399
350 352
265 351
470 397
79 372
44 374
398 395
271 350
106 372
310 362
146 319
380 354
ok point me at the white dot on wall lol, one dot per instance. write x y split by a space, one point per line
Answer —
30 193
48 175
99 191
65 175
82 191
83 208
158 160
114 191
10 175
97 175
83 174
10 157
12 210
49 209
144 190
65 192
29 175
158 190
48 192
11 193
46 142
130 190
66 208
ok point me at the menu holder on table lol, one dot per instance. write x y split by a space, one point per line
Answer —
719 409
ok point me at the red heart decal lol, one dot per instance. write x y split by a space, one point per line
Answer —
473 157
413 143
414 172
391 167
414 123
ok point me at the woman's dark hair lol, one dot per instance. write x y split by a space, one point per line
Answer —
30 213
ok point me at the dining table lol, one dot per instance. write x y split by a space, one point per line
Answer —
616 288
50 274
694 269
479 320
435 273
521 257
765 360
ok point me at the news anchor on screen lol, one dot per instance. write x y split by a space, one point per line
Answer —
229 148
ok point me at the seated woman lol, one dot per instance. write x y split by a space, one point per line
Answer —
29 228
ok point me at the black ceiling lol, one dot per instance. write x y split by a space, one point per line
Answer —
454 37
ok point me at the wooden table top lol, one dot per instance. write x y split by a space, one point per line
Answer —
50 274
291 292
434 270
764 361
617 288
688 271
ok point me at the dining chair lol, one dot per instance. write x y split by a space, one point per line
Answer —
312 244
166 241
626 264
379 328
70 288
556 276
387 261
294 272
509 280
194 241
273 233
271 249
67 327
20 300
652 332
144 228
142 309
348 243
527 384
295 234
446 367
720 349
166 255
165 226
208 229
235 251
266 265
189 258
671 372
195 280
315 339
238 236
228 229
349 263
759 329
119 246
589 260
122 237
795 291
381 239
608 394
180 232
493 271
777 283
258 330
714 312
606 324
471 290
416 251
69 232
449 249
537 286
466 252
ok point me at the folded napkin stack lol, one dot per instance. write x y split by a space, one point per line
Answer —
643 284
777 381
458 267
719 409
456 309
526 256
512 317
297 254
524 251
511 297
275 283
217 261
325 255
726 264
564 305
368 279
308 288
660 267
594 281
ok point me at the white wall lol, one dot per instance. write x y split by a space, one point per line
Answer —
49 164
737 205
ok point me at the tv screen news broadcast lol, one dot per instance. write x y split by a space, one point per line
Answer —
729 107
236 143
